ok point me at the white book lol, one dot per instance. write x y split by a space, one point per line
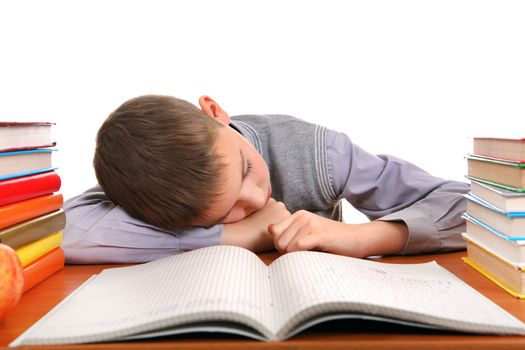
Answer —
505 274
508 248
25 162
229 289
25 135
509 223
507 201
501 148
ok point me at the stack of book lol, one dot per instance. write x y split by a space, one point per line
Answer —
31 218
495 215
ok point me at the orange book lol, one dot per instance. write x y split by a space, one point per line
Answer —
14 213
43 267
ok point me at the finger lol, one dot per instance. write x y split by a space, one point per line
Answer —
286 237
304 241
277 229
287 233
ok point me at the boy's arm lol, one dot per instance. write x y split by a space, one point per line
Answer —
413 211
252 231
391 189
307 231
98 231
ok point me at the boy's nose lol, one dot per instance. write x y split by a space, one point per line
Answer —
252 199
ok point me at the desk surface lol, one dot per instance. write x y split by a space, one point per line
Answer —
43 297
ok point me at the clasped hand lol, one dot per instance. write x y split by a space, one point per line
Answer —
274 227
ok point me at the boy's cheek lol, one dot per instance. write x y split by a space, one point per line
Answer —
240 215
235 217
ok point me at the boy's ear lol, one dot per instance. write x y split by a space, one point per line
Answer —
212 108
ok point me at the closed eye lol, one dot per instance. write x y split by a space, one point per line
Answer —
248 168
246 172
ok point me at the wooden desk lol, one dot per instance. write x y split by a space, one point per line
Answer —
42 298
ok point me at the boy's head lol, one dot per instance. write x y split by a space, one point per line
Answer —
173 165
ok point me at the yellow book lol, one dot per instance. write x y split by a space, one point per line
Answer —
494 279
32 251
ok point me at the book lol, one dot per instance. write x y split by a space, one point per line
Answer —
229 289
21 163
25 135
42 268
500 148
505 246
507 275
19 235
509 223
25 187
508 201
34 250
17 212
509 175
497 184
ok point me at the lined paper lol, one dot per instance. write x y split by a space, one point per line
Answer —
218 288
228 284
311 283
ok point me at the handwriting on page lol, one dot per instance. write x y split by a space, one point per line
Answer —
301 281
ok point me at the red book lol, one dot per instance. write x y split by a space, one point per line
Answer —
42 268
17 212
25 187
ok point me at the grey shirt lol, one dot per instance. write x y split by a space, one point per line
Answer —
382 187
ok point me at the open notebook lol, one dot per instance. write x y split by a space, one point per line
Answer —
229 289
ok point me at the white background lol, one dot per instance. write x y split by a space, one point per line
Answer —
416 79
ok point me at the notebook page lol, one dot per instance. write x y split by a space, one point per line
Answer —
305 284
216 283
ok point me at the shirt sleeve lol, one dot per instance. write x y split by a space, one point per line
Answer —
387 188
98 231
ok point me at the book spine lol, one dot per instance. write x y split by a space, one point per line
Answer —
21 188
31 230
26 173
29 253
15 213
43 267
497 184
491 157
493 278
29 123
26 148
26 152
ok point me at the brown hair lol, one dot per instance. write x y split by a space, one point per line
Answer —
155 157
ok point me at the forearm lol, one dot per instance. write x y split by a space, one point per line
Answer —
252 231
380 238
390 189
98 231
434 223
243 234
307 231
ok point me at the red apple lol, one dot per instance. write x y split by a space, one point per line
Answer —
11 279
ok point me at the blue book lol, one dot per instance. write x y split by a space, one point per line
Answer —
27 162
